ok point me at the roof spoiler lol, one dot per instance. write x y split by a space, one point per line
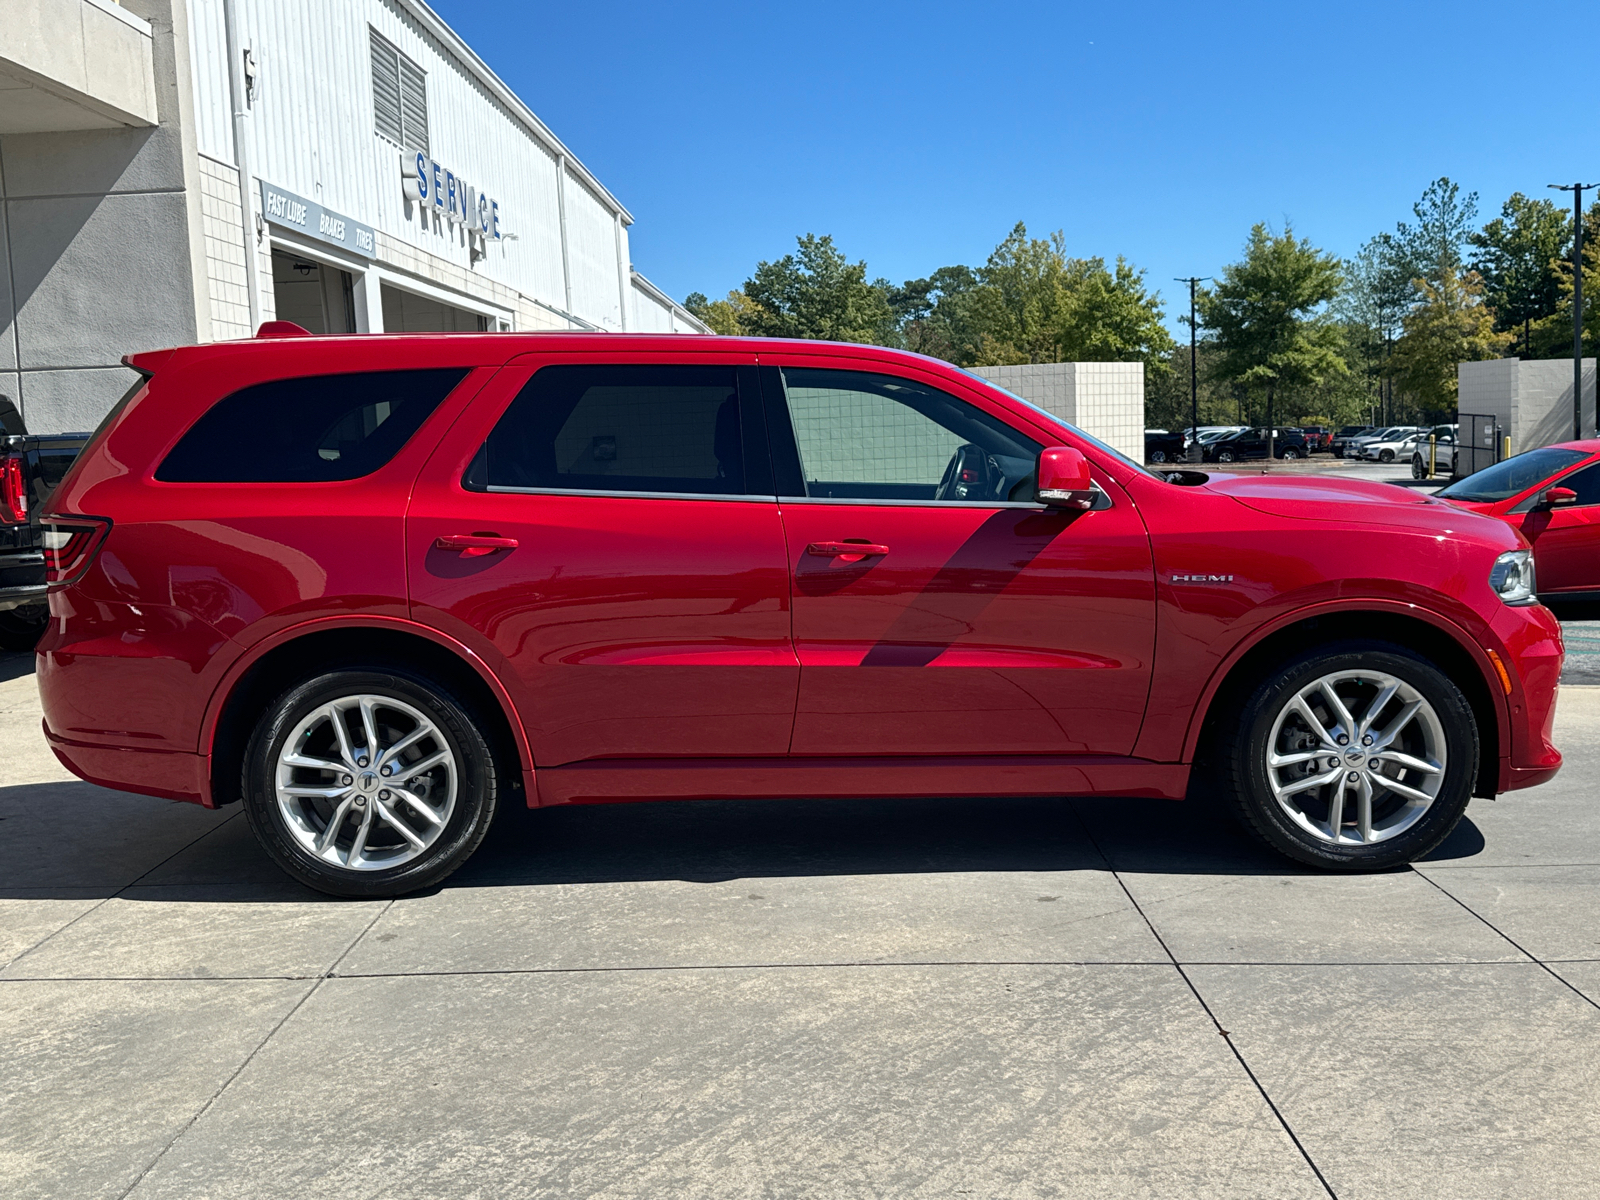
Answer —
282 329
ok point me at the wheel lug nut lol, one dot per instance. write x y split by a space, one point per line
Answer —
361 801
383 795
1354 777
1367 741
346 780
386 771
362 761
1341 739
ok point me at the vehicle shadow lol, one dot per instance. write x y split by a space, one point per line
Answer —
14 665
160 850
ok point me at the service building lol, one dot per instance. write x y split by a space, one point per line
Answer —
174 171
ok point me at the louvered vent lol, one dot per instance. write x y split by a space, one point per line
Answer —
399 95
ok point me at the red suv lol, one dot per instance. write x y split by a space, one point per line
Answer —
369 586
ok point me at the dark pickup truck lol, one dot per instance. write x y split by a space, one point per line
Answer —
30 468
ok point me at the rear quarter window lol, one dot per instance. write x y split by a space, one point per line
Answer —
313 429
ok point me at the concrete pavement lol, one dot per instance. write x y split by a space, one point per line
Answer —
960 997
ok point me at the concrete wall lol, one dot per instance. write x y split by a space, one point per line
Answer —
103 256
1532 400
1103 399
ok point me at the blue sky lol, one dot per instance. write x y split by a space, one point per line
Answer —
918 134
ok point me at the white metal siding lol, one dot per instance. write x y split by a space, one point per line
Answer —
649 316
592 246
312 132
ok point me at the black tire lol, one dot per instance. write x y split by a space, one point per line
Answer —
1158 456
1291 452
1242 769
462 733
1418 471
21 628
1224 455
1386 456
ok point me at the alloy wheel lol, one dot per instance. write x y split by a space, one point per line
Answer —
1356 757
366 782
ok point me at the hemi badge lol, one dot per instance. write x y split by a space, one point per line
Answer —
1202 579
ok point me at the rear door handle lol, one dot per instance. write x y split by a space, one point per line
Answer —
475 545
847 551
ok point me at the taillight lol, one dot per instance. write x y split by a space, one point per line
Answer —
69 546
13 491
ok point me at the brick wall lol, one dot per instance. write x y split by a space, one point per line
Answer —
222 219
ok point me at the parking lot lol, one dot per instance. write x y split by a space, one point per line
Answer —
1003 998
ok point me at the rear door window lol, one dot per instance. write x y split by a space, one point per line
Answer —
630 430
314 429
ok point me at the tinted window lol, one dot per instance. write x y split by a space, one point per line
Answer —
308 430
619 429
1507 479
865 436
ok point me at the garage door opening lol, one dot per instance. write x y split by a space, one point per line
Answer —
406 312
313 295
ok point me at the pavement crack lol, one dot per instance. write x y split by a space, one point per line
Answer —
1226 1035
1511 941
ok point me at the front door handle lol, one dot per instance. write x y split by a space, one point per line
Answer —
475 545
850 551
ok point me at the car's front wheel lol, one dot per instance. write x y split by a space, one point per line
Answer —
369 782
1386 456
1224 455
1354 757
1418 470
1158 456
1291 453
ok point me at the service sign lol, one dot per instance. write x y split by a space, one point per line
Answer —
451 197
310 218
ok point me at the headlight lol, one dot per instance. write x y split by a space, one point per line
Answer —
1512 577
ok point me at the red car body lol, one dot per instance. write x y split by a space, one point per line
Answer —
643 648
1565 539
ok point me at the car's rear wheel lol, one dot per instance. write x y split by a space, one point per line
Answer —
1418 470
1158 456
369 782
1354 757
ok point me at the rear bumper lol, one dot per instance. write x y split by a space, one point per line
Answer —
170 774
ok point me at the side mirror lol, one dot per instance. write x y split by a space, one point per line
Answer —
1063 478
1556 497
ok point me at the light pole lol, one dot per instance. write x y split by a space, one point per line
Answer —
1194 367
1577 300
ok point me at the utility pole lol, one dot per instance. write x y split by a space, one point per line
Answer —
1577 301
1194 368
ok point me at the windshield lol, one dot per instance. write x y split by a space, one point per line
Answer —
1512 477
1055 420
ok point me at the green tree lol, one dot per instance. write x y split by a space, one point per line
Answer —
1033 303
1433 246
816 293
731 316
1451 325
1268 317
1517 254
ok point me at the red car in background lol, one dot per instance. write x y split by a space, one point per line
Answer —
367 586
1552 496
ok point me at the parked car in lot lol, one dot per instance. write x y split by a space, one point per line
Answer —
1440 455
582 568
30 467
1356 447
1249 444
1386 450
1163 447
1346 433
1552 497
1317 437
